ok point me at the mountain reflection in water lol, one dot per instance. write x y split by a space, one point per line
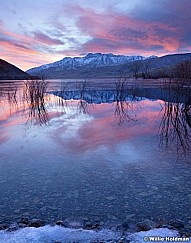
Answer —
39 105
85 151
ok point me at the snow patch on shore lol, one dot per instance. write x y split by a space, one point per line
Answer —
52 234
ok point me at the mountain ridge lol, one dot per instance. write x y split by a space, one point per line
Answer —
9 71
91 60
152 67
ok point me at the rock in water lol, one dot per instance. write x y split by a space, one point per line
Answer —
147 225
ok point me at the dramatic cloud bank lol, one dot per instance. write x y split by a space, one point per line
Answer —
34 33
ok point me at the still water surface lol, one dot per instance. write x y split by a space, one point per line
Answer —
72 158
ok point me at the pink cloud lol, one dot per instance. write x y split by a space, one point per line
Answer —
21 49
123 33
43 38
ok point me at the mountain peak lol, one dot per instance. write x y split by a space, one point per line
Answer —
93 54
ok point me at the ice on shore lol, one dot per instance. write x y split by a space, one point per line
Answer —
52 234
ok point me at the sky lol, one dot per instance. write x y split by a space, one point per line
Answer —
34 32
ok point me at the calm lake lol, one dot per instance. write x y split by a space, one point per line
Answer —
104 151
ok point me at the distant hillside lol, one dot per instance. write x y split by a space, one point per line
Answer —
10 72
108 65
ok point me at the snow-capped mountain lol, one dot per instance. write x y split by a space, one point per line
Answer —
91 60
98 65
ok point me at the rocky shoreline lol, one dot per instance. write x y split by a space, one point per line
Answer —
96 224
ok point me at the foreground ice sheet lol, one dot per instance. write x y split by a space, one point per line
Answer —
53 234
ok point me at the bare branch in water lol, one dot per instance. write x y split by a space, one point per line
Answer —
175 127
123 107
34 94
